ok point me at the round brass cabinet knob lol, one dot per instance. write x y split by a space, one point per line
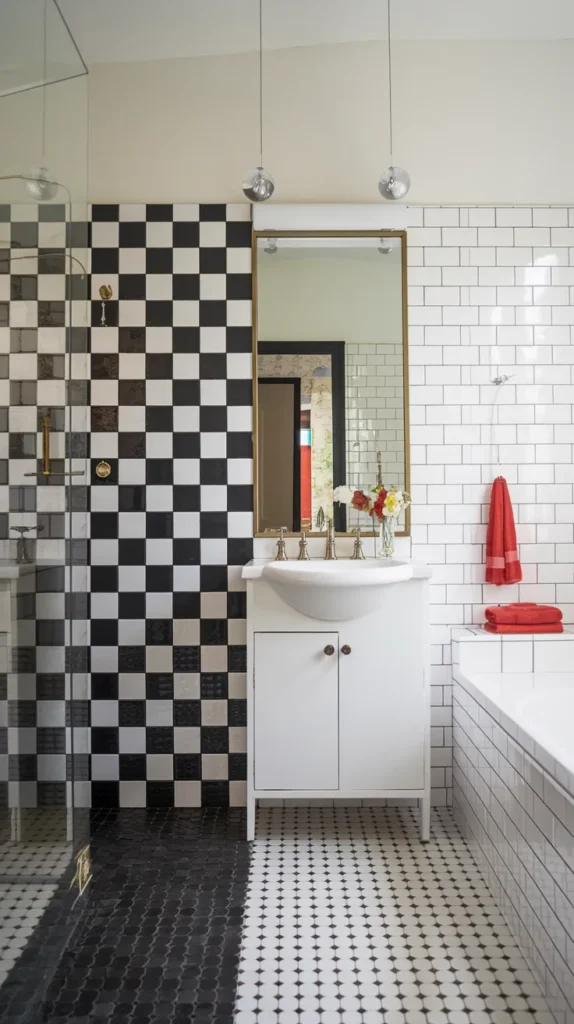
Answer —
346 649
329 649
103 470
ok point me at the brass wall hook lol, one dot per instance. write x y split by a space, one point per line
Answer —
105 295
103 470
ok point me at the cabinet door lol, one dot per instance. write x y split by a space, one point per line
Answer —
383 710
296 711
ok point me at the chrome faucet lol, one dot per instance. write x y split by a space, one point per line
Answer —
281 555
330 553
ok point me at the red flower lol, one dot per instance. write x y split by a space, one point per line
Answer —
377 508
360 502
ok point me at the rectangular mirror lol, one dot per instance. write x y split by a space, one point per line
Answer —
331 374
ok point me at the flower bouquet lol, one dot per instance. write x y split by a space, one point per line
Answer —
384 508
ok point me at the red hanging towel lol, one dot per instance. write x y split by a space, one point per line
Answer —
502 564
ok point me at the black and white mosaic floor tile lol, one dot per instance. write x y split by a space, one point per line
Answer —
159 943
350 919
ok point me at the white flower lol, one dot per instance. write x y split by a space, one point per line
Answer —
343 494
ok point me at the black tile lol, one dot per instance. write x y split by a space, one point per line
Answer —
186 286
159 418
132 234
186 712
24 235
104 525
51 313
23 287
132 766
239 339
186 446
213 578
159 212
236 605
238 286
212 211
159 524
213 366
131 659
159 313
112 313
131 551
212 313
186 498
132 339
213 418
239 392
105 739
238 234
159 471
159 794
240 498
186 659
237 767
237 658
239 445
105 261
214 739
158 632
159 686
131 605
131 713
237 712
187 766
131 498
214 794
104 418
105 211
159 739
239 550
186 234
131 445
186 339
212 260
214 685
186 605
104 632
186 551
131 392
132 286
159 578
159 366
213 632
185 392
213 471
104 684
159 261
105 794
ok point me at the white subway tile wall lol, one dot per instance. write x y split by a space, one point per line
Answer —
491 293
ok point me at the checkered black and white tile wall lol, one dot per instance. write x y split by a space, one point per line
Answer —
43 368
171 411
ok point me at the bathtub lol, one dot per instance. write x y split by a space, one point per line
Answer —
513 790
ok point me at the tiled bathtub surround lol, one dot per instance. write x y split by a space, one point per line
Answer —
514 800
171 410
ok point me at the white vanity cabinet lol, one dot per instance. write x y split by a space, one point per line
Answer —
338 709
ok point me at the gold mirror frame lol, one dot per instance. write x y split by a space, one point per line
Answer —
256 235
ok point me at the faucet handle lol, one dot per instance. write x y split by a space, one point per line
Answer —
303 555
358 553
26 529
281 555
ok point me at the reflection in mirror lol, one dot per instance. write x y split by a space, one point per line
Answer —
331 375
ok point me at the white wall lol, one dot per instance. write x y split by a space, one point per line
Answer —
475 122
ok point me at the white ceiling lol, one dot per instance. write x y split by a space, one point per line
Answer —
132 30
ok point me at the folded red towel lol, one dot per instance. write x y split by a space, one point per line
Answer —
502 564
548 627
522 614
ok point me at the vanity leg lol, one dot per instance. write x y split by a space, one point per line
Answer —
251 809
425 809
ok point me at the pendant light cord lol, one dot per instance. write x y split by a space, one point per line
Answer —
261 83
390 69
45 75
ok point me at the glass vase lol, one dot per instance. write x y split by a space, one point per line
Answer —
386 537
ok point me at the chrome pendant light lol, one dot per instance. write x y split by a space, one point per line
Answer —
39 183
395 182
258 184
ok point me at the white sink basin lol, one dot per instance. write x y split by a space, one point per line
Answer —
335 590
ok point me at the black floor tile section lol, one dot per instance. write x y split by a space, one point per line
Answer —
160 940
